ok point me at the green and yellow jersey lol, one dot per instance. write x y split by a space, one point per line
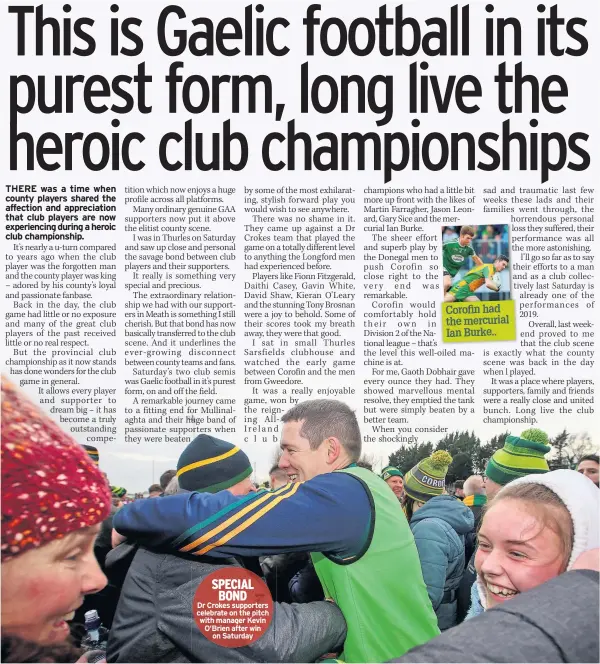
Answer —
472 281
454 255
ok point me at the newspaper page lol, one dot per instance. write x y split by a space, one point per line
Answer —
216 211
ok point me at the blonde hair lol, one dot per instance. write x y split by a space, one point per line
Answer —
548 508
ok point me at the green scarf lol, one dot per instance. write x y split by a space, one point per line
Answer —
473 501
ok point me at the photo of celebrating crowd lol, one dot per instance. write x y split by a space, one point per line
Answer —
454 551
476 263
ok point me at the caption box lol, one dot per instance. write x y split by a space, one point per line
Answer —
233 607
479 321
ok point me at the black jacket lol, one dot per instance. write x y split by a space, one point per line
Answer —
154 620
279 569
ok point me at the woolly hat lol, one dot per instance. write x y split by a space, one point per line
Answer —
391 471
581 498
520 456
428 478
92 453
50 486
208 464
118 491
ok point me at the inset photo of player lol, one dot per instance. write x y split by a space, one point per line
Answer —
476 263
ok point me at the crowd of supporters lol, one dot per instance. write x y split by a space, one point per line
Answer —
363 567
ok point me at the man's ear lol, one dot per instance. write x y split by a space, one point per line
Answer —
334 449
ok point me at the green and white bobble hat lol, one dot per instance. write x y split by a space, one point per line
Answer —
391 471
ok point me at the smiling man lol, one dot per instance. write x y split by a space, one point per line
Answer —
345 516
394 478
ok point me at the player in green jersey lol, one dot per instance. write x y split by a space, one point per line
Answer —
456 252
464 290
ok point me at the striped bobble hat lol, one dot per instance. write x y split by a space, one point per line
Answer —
520 456
118 491
391 471
92 453
210 465
50 486
428 478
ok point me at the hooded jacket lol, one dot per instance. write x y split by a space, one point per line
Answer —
154 621
439 529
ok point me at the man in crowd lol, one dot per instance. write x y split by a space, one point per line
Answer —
475 498
277 477
361 545
155 490
589 466
394 478
458 489
165 478
154 620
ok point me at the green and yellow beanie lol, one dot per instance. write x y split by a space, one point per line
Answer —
210 465
118 491
391 471
428 478
520 456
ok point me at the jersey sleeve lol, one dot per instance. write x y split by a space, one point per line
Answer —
446 252
331 513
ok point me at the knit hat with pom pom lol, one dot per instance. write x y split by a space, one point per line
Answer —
428 478
520 456
50 486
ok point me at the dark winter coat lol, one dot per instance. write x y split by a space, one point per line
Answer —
278 571
439 529
555 622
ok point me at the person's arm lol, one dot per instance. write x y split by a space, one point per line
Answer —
430 539
305 586
331 513
539 625
297 633
477 260
489 282
279 569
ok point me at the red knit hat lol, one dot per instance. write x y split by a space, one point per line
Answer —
50 487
